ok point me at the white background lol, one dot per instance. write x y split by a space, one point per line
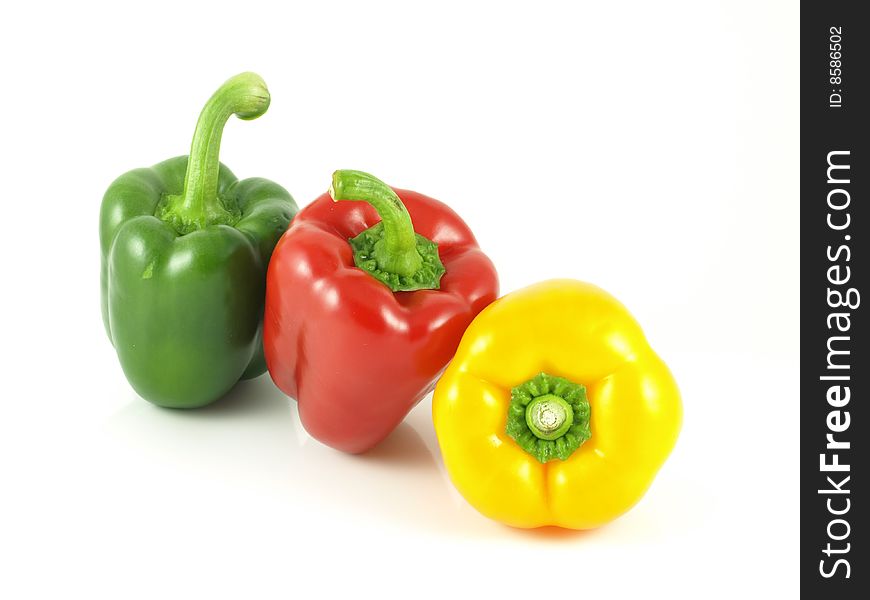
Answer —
649 147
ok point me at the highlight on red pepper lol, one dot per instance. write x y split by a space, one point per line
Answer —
367 296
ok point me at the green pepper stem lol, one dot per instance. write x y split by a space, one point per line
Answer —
397 251
244 95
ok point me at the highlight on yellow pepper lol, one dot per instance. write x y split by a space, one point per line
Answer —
555 410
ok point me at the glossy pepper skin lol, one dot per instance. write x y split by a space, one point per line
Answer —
572 332
184 248
356 355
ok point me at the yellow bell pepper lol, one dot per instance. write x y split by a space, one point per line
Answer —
555 410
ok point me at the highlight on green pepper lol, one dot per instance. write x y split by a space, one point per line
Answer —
184 248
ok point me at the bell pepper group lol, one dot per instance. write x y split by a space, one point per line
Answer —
552 410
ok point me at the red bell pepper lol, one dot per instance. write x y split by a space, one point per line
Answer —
363 312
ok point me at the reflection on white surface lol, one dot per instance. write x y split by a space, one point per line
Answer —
252 441
129 486
253 438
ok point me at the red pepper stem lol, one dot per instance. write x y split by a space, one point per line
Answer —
244 95
397 251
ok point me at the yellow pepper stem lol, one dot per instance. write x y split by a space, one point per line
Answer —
548 417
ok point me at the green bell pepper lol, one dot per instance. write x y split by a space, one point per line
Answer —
185 247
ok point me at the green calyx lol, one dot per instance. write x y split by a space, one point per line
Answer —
198 206
390 251
549 417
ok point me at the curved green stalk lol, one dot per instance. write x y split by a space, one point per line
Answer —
198 206
390 251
